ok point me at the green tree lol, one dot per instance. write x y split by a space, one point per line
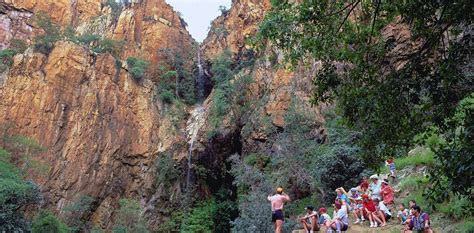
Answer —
137 67
389 105
200 218
47 222
78 212
44 43
16 195
129 218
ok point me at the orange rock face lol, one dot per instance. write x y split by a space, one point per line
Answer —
103 129
230 30
100 125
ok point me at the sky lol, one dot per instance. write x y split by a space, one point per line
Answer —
199 14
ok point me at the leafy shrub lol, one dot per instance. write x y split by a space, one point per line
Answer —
167 97
44 43
466 226
6 58
200 218
47 222
16 194
166 170
173 223
130 218
17 45
137 67
114 47
87 39
76 213
458 208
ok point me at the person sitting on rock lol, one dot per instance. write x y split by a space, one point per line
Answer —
402 214
341 196
356 205
411 203
387 193
364 185
323 217
340 221
310 220
420 222
375 187
369 208
383 213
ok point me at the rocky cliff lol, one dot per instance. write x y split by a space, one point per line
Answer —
274 87
104 130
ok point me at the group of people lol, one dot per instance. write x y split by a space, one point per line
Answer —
372 200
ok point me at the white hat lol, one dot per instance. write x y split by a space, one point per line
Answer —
374 177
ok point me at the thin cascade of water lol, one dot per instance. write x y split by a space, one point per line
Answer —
196 120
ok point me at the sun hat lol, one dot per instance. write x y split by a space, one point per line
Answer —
353 189
322 210
374 177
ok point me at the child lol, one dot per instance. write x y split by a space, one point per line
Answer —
323 216
358 210
391 165
402 213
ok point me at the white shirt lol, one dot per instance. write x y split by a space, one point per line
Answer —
384 208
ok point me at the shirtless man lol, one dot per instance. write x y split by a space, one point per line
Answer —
277 201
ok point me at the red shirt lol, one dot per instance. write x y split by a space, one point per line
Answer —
364 185
369 205
387 194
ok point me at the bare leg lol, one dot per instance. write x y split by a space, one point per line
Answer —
305 225
279 223
382 217
314 224
376 218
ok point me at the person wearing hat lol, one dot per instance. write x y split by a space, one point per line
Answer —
340 221
277 202
356 205
387 193
374 187
323 216
310 220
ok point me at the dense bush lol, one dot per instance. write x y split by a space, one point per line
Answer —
16 194
130 218
6 58
47 222
167 170
137 67
44 43
78 212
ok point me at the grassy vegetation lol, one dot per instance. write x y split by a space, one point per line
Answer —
414 183
421 156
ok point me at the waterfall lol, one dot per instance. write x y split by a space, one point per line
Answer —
196 120
200 82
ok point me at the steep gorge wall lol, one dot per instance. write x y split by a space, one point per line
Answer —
274 87
104 130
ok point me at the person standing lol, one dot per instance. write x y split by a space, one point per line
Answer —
277 202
